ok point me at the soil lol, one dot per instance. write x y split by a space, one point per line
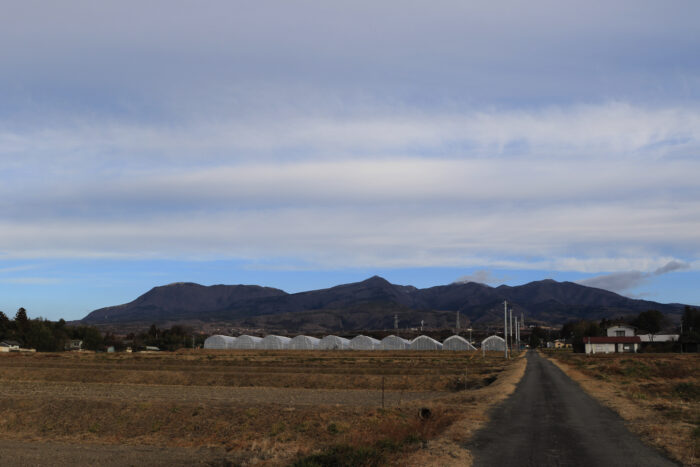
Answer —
210 395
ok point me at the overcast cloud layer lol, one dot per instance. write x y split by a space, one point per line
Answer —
532 135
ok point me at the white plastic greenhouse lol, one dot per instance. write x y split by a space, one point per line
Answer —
425 343
273 342
302 342
394 343
245 342
219 342
364 343
493 343
334 343
457 343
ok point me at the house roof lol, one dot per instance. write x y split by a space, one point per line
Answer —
9 343
613 340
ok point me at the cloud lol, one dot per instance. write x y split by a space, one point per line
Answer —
626 280
670 267
482 276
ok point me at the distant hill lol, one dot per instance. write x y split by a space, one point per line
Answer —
371 304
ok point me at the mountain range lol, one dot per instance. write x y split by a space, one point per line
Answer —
372 304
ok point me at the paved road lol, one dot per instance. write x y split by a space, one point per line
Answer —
550 421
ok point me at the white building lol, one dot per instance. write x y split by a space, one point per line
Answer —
611 344
273 342
246 342
304 343
659 337
457 343
394 343
334 343
364 343
425 343
620 330
493 343
219 342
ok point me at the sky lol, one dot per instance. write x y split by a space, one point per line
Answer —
304 144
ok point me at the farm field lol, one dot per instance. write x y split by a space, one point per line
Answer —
243 407
657 394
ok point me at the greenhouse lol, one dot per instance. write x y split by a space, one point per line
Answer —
334 343
425 343
304 343
273 342
364 343
245 342
493 343
457 343
219 342
394 343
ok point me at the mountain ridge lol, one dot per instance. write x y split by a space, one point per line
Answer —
372 304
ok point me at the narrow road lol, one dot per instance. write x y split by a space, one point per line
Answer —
550 421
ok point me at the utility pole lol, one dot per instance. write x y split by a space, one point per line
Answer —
505 328
457 322
421 325
511 330
396 321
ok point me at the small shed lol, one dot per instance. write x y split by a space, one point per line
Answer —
302 342
246 342
273 342
494 343
364 343
334 343
394 343
219 342
425 343
457 343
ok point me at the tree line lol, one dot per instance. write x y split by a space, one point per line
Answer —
52 336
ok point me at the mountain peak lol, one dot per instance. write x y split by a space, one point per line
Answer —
376 280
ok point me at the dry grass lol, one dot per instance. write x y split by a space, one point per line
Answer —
657 394
262 407
473 406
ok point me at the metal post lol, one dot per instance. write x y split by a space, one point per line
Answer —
510 313
382 392
505 327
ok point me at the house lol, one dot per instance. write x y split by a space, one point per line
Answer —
621 330
612 344
9 346
74 344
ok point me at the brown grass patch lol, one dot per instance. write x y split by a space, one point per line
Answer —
262 407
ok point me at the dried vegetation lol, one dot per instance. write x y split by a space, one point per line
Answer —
271 408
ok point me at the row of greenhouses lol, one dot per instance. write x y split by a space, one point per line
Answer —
273 342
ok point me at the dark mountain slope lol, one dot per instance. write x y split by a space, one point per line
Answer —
372 304
182 300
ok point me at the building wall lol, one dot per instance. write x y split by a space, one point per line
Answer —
627 330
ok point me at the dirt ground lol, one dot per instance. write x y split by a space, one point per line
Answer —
232 408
